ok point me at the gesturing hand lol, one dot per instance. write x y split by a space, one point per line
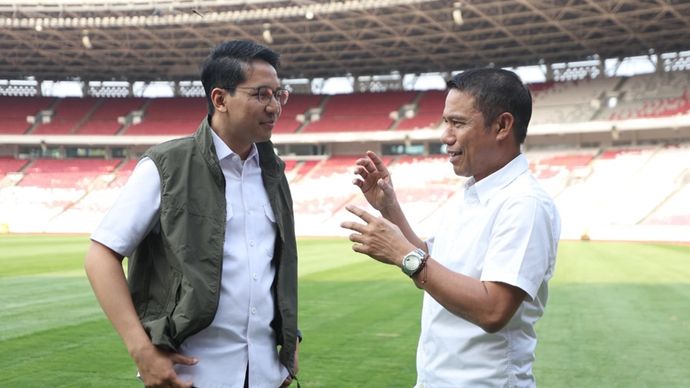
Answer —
375 181
377 238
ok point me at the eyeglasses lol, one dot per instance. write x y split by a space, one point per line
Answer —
264 94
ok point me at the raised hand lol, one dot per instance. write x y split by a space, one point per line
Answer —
375 181
377 238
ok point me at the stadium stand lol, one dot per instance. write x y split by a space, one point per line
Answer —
572 101
47 189
556 169
68 114
429 111
65 173
599 190
625 186
649 96
170 116
9 164
14 111
104 120
359 112
298 105
674 210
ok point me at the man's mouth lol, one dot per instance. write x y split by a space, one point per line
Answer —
455 156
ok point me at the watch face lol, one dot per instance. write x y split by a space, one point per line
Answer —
412 262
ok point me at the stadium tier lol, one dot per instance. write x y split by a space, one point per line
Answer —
67 115
429 110
644 96
170 116
104 120
601 189
297 105
359 112
65 173
619 187
15 110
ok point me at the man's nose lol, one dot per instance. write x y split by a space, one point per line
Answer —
447 136
273 105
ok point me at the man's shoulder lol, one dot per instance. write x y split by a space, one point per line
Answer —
182 144
526 188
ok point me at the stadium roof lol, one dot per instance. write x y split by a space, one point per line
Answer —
166 39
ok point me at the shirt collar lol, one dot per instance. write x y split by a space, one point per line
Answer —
486 188
223 151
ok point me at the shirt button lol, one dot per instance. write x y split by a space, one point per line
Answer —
253 310
254 276
251 243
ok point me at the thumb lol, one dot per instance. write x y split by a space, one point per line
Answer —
178 358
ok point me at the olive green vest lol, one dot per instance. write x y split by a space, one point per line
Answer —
174 275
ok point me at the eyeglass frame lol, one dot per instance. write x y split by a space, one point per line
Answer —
274 94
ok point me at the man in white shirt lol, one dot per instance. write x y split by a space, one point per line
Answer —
207 224
485 272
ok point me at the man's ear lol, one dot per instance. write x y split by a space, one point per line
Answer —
218 96
504 126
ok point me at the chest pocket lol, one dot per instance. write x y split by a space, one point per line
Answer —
228 212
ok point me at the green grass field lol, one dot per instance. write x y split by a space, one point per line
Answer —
618 316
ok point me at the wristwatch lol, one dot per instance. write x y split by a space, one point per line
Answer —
413 262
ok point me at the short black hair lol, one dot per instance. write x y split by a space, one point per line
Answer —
496 91
226 66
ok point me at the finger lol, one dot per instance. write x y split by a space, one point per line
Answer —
367 164
361 213
357 238
378 163
361 171
354 226
359 248
178 358
358 182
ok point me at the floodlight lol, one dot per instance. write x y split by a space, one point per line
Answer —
268 38
86 40
457 14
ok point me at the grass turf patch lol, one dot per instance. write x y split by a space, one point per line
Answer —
617 316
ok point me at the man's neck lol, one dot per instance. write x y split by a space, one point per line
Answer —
242 149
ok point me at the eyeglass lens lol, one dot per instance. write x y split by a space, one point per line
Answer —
265 95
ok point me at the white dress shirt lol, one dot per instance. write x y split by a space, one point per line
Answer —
240 333
506 230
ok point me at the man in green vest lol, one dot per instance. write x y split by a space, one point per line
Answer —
210 299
